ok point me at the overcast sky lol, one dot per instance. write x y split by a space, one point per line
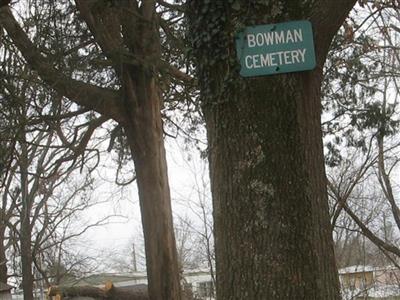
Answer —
184 168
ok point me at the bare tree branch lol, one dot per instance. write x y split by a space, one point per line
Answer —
105 101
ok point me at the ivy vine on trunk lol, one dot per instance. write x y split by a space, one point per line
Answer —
272 231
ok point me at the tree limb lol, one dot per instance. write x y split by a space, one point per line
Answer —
370 235
104 25
102 100
327 16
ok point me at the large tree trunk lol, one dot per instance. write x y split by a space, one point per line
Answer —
272 226
272 231
142 123
145 136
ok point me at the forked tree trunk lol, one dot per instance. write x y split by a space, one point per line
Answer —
272 231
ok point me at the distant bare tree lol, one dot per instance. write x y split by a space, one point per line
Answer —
195 229
362 184
46 179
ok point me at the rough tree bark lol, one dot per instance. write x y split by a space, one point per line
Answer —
145 137
272 231
128 34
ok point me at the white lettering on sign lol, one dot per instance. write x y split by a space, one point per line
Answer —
275 59
274 37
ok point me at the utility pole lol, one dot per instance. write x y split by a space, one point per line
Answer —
134 258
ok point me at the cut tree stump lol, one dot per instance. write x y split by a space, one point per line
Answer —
109 292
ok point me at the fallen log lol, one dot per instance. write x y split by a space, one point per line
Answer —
109 292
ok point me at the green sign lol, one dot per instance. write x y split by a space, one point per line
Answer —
276 48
